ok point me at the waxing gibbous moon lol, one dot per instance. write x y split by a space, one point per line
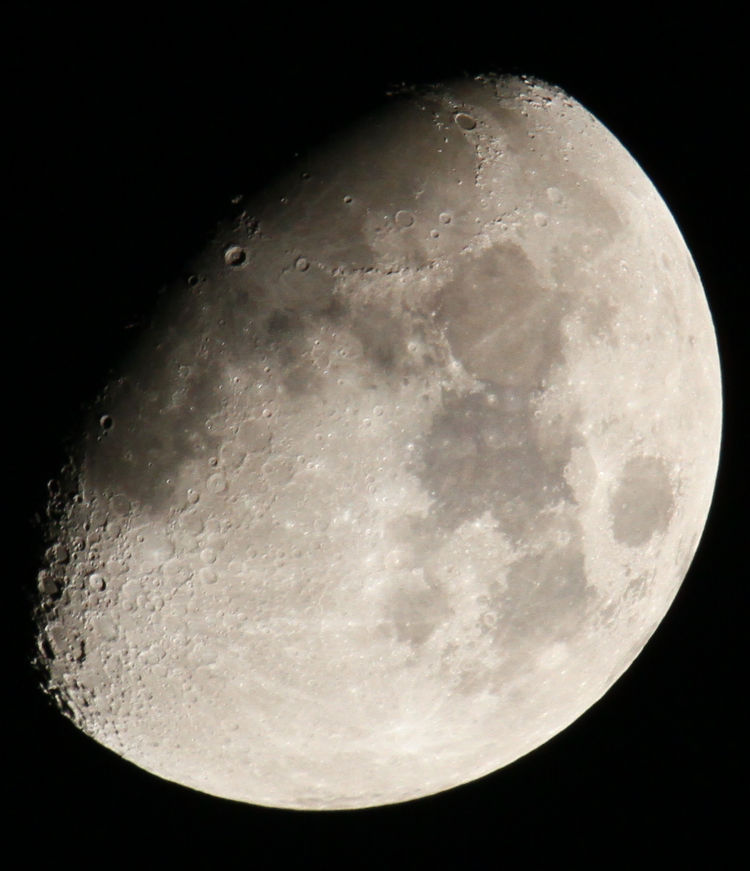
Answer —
404 477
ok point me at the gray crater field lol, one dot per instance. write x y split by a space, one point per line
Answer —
405 476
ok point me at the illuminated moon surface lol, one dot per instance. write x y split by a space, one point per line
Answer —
405 476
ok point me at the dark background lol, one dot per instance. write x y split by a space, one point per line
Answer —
128 138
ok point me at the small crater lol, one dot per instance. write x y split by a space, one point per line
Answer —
464 121
96 582
208 555
207 575
234 255
216 484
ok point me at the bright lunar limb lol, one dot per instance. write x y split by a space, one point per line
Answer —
405 476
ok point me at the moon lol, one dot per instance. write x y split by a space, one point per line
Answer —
405 475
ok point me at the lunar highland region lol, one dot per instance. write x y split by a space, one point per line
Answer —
405 475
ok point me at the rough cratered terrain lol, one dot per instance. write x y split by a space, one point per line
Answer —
406 477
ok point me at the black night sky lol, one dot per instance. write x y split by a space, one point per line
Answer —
128 138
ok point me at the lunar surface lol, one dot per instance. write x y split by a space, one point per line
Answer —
404 476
